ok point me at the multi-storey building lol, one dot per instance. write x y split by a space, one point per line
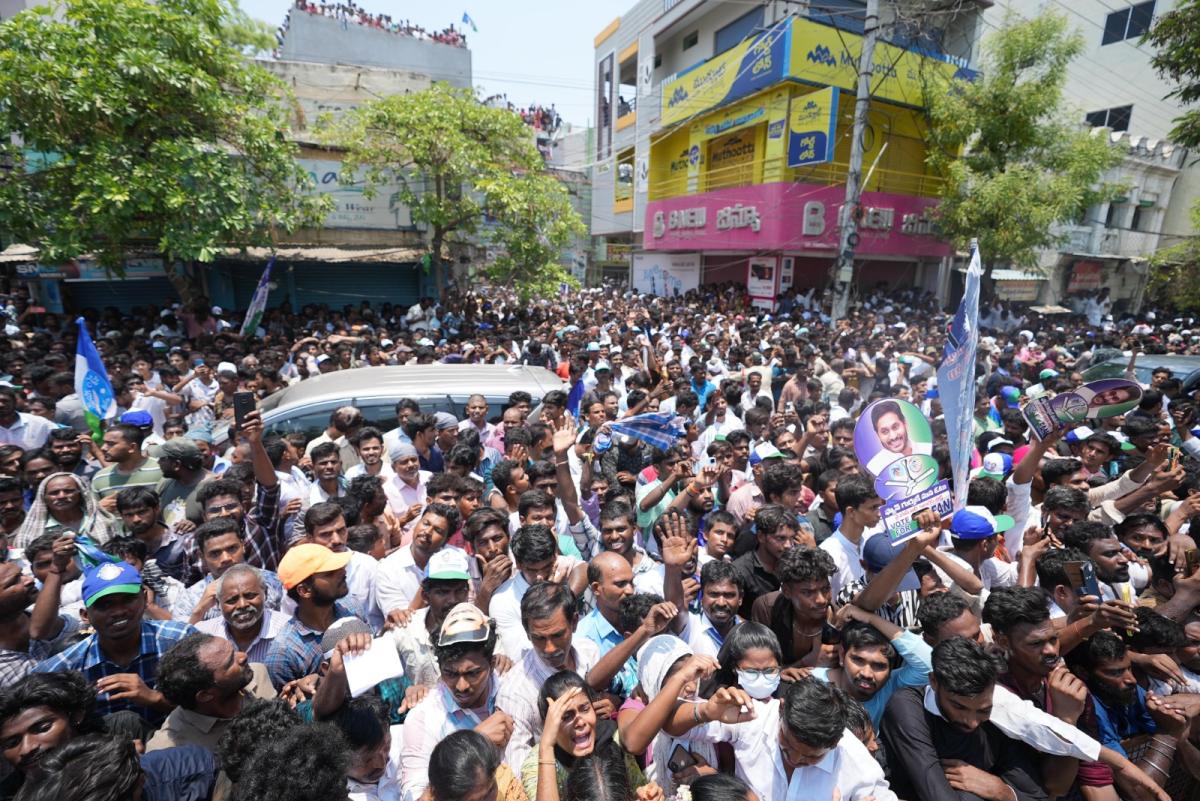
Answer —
1112 85
723 140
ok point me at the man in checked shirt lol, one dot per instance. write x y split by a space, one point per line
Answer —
262 526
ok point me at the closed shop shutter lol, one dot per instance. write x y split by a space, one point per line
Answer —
335 285
124 295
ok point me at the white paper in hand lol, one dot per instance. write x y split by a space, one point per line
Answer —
377 663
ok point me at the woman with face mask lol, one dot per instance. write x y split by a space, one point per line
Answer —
750 659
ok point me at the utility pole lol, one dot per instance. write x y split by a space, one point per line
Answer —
843 272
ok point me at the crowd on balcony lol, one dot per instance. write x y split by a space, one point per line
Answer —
350 12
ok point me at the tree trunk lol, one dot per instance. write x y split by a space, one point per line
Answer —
435 259
187 287
987 287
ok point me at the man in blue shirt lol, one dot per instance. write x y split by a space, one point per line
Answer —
315 578
1123 709
870 646
121 658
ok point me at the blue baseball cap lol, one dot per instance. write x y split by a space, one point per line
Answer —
1011 396
879 551
110 578
977 523
138 417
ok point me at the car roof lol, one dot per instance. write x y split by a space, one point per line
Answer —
1178 365
415 380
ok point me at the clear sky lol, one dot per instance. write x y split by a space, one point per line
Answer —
533 50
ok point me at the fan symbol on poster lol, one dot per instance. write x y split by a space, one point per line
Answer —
909 475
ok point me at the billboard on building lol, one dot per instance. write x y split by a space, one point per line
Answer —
753 64
665 274
812 127
352 208
827 56
761 280
1085 276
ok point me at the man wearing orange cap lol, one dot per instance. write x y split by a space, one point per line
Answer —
315 578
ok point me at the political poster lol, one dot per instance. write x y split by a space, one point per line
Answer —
1096 400
894 443
956 379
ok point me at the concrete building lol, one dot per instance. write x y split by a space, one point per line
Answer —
723 136
367 248
1113 85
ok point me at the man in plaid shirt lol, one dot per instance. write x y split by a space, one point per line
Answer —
262 528
121 658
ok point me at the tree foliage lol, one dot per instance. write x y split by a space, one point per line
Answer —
1014 164
1175 272
1176 39
453 159
139 125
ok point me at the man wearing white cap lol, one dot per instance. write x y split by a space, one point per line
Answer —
406 489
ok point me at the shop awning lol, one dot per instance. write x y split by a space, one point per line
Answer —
18 254
326 254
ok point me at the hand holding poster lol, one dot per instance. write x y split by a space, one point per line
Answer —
1097 399
894 443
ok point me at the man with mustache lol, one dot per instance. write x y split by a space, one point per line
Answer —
869 649
1020 621
445 586
1123 709
549 612
208 679
245 619
121 658
941 743
720 599
1100 544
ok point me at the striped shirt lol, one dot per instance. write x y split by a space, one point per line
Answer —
158 637
111 479
272 624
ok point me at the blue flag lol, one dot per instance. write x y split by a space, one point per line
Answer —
956 380
468 21
258 303
91 382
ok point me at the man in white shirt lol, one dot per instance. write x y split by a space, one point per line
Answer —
405 491
26 431
400 574
720 598
325 524
797 747
859 505
535 557
549 612
477 411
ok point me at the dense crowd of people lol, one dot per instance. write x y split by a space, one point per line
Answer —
350 13
666 579
543 119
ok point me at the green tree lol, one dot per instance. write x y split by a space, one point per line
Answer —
1175 272
141 127
1015 163
539 222
1176 40
453 159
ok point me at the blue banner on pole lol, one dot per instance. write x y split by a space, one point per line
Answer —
956 380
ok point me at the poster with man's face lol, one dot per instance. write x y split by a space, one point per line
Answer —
1108 397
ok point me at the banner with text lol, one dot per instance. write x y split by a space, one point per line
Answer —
665 274
750 66
812 127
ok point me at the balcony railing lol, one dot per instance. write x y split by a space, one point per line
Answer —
830 173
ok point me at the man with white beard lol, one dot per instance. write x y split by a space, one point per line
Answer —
245 621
